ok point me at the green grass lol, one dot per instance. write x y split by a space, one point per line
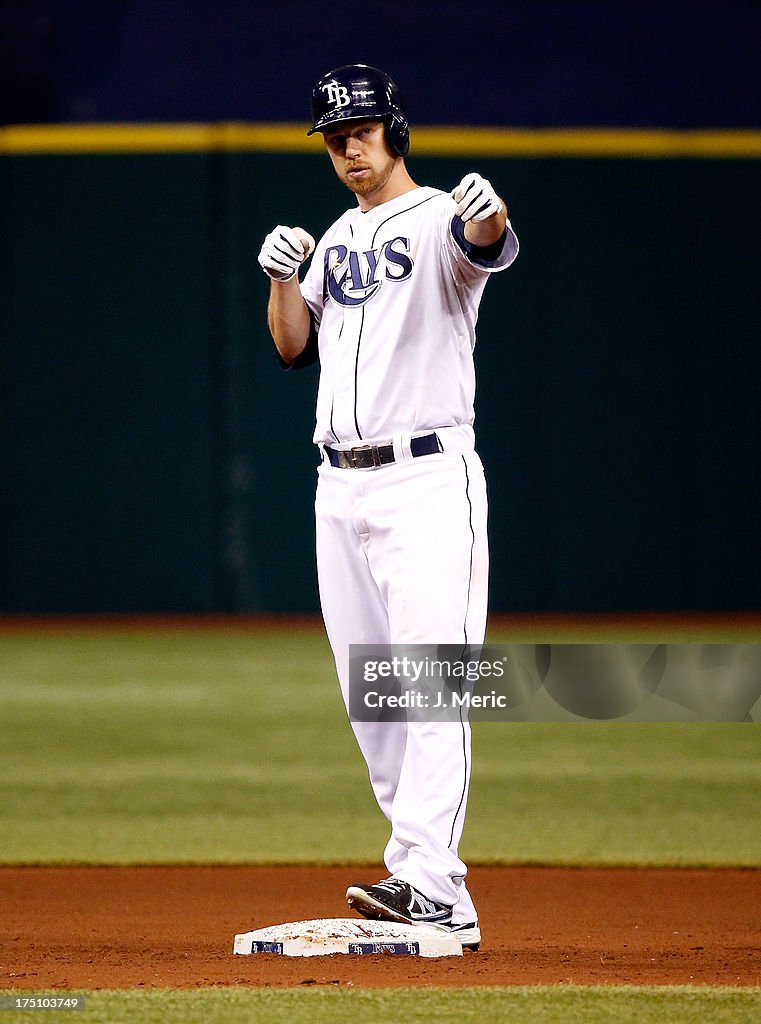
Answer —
202 746
569 1004
617 793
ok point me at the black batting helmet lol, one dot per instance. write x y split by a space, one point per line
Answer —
358 92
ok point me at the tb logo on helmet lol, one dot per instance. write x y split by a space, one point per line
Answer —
337 94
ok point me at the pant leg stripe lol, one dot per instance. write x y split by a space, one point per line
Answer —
472 546
465 635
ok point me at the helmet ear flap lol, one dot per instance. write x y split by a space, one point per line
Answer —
398 134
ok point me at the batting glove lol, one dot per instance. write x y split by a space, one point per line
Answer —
283 252
476 199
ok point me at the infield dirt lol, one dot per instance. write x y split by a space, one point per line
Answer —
122 927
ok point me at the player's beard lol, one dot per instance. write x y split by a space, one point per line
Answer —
374 181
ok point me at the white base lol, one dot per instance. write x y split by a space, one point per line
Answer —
348 935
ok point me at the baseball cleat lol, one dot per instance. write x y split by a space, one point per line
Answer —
468 934
395 900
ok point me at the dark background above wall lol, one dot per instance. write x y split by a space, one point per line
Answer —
671 64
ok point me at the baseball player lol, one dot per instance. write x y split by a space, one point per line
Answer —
389 306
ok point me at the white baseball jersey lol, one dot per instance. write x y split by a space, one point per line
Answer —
394 294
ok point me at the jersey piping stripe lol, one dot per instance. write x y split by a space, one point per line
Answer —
356 373
398 213
333 396
465 633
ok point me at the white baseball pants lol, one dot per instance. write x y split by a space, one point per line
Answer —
402 558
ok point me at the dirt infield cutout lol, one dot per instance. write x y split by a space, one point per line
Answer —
120 927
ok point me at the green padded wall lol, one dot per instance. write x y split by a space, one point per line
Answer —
155 458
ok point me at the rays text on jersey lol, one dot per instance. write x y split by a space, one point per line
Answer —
352 278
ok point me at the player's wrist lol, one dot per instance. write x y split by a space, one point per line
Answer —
279 279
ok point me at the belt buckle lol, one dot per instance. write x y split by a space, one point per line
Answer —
372 448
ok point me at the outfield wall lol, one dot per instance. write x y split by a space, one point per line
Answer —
155 458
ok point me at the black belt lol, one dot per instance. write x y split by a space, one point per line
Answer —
366 456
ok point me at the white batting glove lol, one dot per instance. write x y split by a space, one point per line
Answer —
283 252
476 199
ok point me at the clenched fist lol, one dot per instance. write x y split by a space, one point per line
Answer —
283 252
476 198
